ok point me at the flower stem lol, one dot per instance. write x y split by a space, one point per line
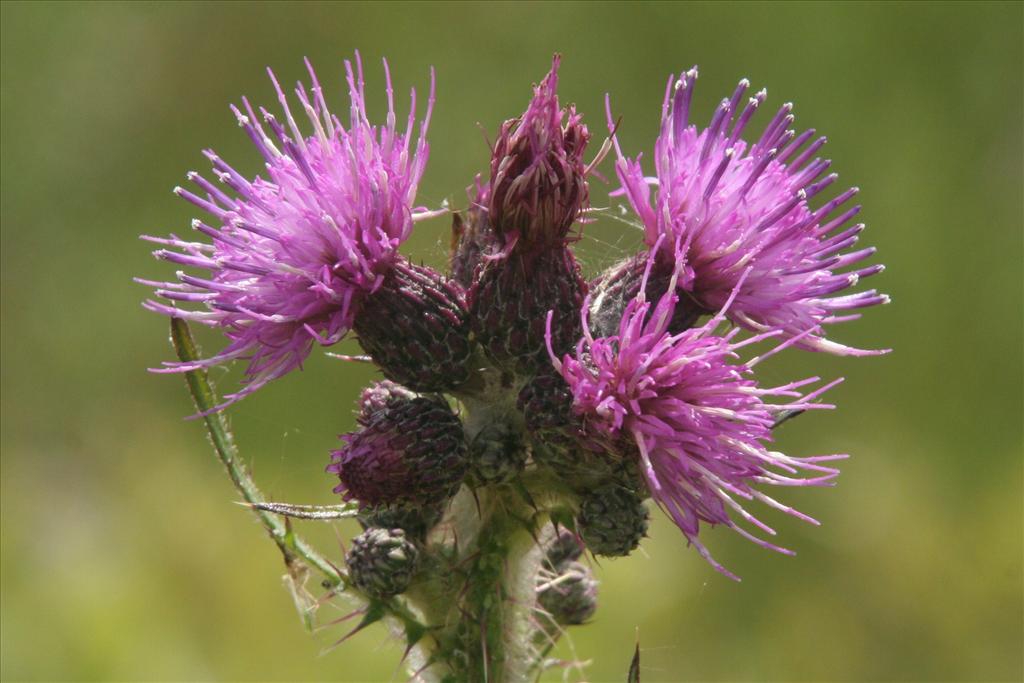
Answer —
205 400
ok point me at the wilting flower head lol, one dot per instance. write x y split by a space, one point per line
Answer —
736 206
538 178
292 255
693 416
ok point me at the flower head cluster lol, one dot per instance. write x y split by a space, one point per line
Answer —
695 418
624 394
538 178
294 254
738 206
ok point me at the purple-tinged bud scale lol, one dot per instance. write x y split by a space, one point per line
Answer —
415 329
413 452
511 299
564 548
570 598
538 178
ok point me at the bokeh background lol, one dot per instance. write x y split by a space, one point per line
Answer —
124 557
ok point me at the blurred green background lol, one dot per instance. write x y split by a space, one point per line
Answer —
123 555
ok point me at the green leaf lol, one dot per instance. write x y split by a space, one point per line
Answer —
634 667
414 632
323 512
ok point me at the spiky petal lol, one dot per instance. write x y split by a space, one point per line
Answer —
738 206
293 255
695 419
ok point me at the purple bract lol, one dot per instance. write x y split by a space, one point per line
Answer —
538 177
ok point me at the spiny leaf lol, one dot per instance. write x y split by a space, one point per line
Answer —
414 632
324 512
375 611
634 667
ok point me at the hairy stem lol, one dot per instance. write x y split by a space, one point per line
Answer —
205 400
298 554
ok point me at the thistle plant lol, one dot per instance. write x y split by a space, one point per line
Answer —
525 417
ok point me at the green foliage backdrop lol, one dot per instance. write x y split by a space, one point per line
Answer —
123 555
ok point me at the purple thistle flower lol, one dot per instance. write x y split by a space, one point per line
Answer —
538 178
693 417
736 206
293 255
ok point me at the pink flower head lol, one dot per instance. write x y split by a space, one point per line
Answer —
736 206
293 255
538 179
694 417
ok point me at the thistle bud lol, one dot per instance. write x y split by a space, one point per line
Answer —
382 562
546 404
416 522
411 452
415 329
612 521
538 179
612 291
566 547
509 305
571 598
497 453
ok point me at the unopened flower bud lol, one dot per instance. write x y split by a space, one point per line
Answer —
509 306
612 521
538 179
497 453
416 522
566 547
412 452
415 329
612 291
546 404
382 562
571 598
